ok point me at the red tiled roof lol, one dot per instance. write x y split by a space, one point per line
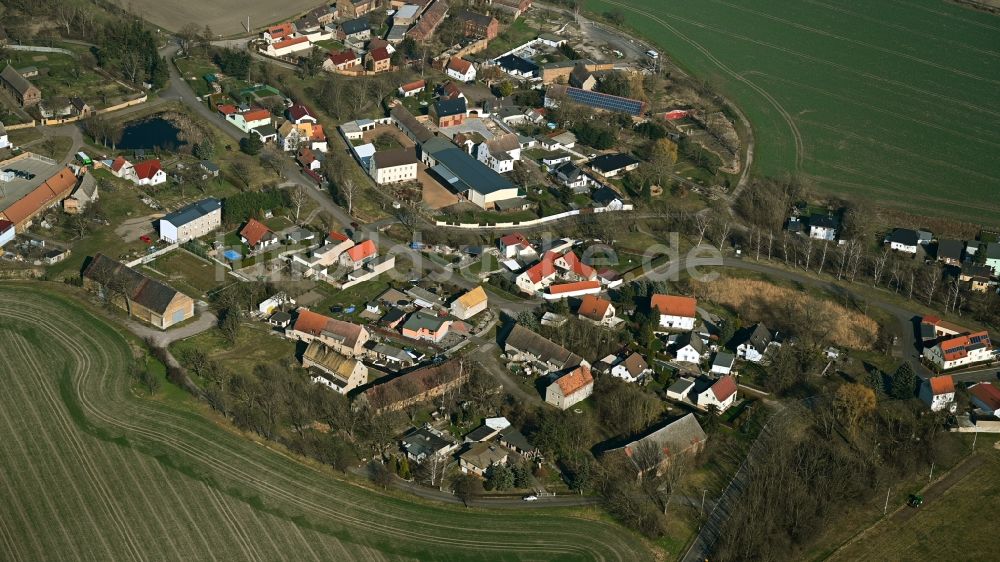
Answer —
118 163
514 239
318 134
147 168
929 319
362 251
342 57
541 270
578 267
671 305
226 109
941 385
5 226
55 188
298 111
575 380
459 65
309 322
415 85
724 388
280 30
339 237
379 54
956 348
987 394
254 231
571 287
290 42
593 307
256 114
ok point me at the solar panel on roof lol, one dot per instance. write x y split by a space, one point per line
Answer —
605 101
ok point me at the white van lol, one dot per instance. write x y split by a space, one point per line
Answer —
653 54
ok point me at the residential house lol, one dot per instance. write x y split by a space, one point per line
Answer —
573 177
961 350
411 89
461 70
390 356
474 24
378 60
993 257
654 452
355 257
550 268
597 310
341 60
423 325
424 298
280 319
676 312
80 107
416 386
469 304
516 246
986 397
902 240
149 172
978 277
249 120
500 152
286 47
355 31
299 114
308 159
343 337
823 227
449 113
192 221
572 289
721 395
513 7
122 168
449 91
481 456
24 92
613 165
571 388
753 343
680 389
86 192
142 297
631 369
424 443
723 363
355 8
582 78
257 236
938 392
394 166
950 252
514 440
689 348
521 344
517 67
608 198
211 169
337 372
280 32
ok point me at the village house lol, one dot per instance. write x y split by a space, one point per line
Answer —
500 152
551 267
516 246
903 240
753 343
676 312
977 277
961 350
469 304
474 24
357 256
654 452
461 70
571 388
286 47
394 166
141 297
423 443
517 67
337 372
86 192
521 344
429 21
343 337
149 172
689 348
423 325
257 236
613 165
680 389
721 395
582 78
823 227
481 456
24 92
279 32
354 31
449 113
993 257
938 392
986 397
572 176
411 89
378 60
723 363
341 60
950 252
249 120
192 221
416 386
355 8
632 369
597 310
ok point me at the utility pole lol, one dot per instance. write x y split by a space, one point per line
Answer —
886 508
703 492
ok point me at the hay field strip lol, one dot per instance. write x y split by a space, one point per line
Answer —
110 475
225 17
895 101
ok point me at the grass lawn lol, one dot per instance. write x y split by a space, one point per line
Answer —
517 33
62 75
256 344
187 273
108 470
356 296
901 115
193 70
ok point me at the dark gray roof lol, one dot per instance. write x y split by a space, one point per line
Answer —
724 359
511 437
612 162
446 108
391 315
422 320
395 157
950 249
359 25
674 438
280 317
526 341
823 221
993 250
14 79
569 170
193 212
579 76
480 19
758 336
903 236
463 172
516 63
692 339
150 293
407 120
423 442
605 195
481 433
680 385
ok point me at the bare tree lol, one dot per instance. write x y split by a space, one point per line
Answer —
701 222
930 279
822 258
273 161
242 171
878 266
298 198
131 63
724 229
348 189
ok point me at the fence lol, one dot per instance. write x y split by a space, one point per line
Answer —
152 256
139 100
20 126
534 222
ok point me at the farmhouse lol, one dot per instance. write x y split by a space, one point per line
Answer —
355 257
411 89
416 386
394 166
449 112
938 392
142 297
337 372
500 152
521 344
343 337
597 310
30 185
192 221
461 70
903 240
571 388
478 25
19 88
655 452
149 172
378 60
676 312
341 60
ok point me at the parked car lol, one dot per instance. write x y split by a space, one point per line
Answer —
530 498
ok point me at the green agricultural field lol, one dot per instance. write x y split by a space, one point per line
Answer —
93 470
896 102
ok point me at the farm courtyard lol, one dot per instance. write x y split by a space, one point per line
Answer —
891 102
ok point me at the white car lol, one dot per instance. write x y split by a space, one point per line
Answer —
530 498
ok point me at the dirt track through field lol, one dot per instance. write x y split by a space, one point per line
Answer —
250 499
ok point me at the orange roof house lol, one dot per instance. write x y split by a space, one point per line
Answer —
147 169
256 232
258 114
941 385
280 31
573 387
361 252
671 305
594 308
49 193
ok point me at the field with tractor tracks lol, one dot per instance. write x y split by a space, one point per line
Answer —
896 101
93 470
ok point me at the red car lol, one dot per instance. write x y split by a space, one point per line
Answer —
146 239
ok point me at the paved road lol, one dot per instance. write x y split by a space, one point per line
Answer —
204 321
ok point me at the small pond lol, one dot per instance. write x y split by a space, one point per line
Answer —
150 134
